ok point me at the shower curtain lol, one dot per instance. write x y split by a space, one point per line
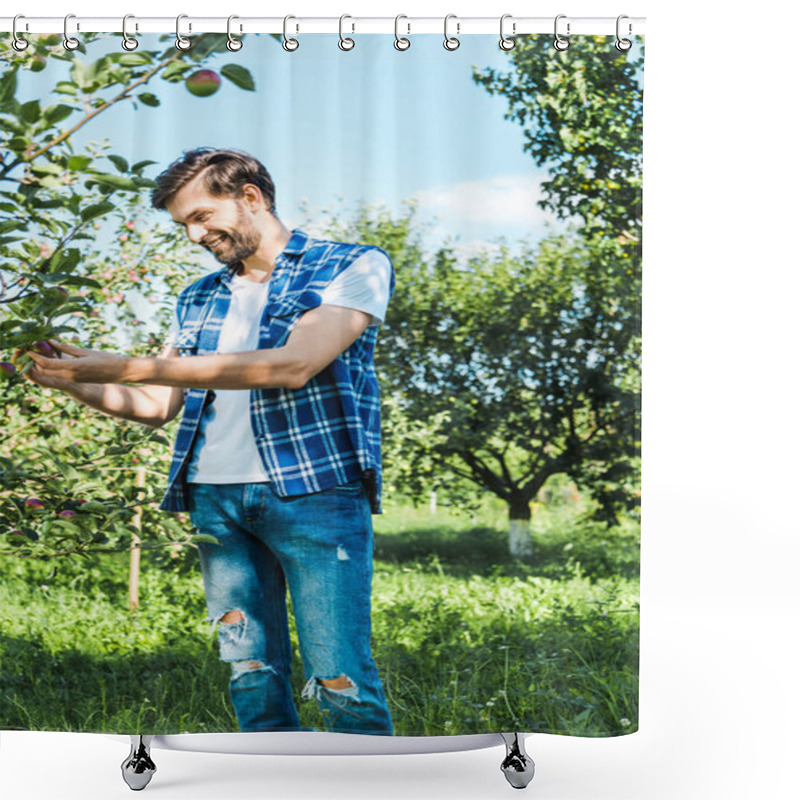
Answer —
320 382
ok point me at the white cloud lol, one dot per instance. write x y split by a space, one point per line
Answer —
503 199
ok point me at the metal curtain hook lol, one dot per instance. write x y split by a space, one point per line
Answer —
560 42
451 42
70 42
234 44
289 44
346 43
400 42
19 43
181 42
128 42
507 42
623 44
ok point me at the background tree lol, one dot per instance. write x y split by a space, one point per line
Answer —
508 368
581 111
515 367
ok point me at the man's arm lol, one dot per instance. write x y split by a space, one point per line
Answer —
317 339
150 405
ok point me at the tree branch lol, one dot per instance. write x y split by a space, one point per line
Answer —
91 115
484 474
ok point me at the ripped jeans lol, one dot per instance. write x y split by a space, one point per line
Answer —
320 546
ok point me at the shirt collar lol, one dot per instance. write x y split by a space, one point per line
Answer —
298 243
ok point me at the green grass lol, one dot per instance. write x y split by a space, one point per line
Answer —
467 640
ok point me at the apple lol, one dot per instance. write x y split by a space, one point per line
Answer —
203 83
56 295
34 503
44 348
7 370
66 514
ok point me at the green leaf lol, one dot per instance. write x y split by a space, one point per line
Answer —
66 87
12 224
78 163
79 280
173 71
149 99
30 112
45 168
18 143
97 210
119 162
93 506
113 181
135 59
240 76
55 114
140 165
8 86
203 538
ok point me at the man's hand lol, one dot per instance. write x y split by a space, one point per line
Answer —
82 366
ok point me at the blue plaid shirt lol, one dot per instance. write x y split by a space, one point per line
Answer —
309 439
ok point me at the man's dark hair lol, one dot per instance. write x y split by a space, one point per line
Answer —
226 172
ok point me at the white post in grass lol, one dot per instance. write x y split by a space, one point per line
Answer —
133 582
520 541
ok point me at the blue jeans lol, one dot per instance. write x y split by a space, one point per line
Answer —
320 546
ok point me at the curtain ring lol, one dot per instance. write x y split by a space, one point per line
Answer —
623 44
234 44
560 42
345 43
451 42
19 43
400 42
181 42
70 42
507 42
128 42
290 45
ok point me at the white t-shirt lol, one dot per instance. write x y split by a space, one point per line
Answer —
225 449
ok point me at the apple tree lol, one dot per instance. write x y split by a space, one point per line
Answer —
81 256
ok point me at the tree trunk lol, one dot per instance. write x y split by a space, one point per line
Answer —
520 543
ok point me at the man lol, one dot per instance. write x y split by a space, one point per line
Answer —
278 451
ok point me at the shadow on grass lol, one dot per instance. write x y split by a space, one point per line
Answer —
483 551
158 692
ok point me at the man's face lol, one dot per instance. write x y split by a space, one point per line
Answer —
222 225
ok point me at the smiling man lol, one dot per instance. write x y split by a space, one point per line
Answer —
278 451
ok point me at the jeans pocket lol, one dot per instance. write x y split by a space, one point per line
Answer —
351 489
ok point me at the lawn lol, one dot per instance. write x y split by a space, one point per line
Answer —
467 639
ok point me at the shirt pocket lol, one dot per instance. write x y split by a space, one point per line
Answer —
187 340
293 303
281 315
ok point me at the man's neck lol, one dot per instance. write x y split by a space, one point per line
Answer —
259 266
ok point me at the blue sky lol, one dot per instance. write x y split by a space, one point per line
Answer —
371 125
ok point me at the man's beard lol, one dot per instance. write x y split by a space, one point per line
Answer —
237 244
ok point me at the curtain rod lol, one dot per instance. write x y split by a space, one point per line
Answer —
631 26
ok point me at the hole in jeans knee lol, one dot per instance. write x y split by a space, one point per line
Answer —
249 665
232 617
342 682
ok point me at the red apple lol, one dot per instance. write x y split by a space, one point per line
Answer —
203 83
7 370
44 348
34 503
66 514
